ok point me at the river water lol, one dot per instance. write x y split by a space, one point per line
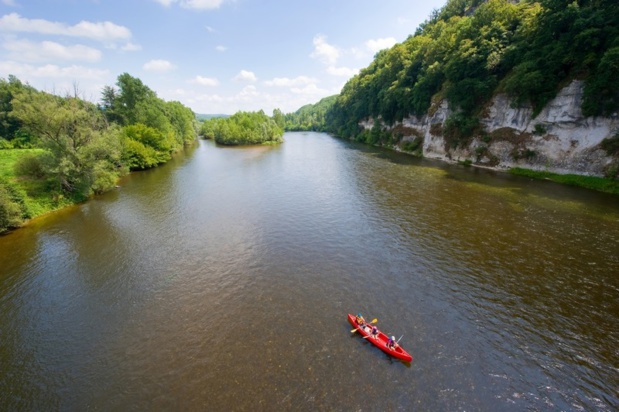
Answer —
222 281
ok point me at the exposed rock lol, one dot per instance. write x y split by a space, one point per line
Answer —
559 139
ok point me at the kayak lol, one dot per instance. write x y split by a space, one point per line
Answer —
380 340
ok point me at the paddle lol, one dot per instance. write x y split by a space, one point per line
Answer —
373 321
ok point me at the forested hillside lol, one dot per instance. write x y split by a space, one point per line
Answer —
56 150
310 117
470 50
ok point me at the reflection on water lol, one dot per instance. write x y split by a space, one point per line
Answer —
223 279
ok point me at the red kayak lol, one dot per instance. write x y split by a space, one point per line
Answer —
380 340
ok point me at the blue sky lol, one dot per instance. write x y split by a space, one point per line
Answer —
214 56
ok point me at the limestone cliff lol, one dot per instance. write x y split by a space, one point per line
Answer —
559 139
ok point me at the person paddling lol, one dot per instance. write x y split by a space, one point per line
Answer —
374 332
391 343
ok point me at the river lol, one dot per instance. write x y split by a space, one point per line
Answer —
222 280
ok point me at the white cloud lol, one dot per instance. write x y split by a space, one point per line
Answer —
102 31
131 47
310 89
245 76
205 81
323 51
27 71
342 71
209 29
10 3
208 98
248 92
221 48
379 44
287 82
158 66
193 4
28 51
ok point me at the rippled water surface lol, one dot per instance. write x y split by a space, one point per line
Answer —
222 280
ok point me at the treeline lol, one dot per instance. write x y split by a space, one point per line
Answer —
311 117
245 128
78 148
472 49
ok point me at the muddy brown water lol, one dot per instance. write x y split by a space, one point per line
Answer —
222 281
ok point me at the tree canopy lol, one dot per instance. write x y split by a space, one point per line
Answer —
310 117
471 49
245 128
84 147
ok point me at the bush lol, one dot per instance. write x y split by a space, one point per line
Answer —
13 210
415 145
539 129
138 156
5 144
611 145
30 165
103 178
459 128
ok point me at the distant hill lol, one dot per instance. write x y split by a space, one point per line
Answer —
202 117
310 116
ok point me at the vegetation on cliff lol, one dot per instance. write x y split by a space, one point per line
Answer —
472 49
58 150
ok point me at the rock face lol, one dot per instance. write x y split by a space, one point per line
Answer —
559 139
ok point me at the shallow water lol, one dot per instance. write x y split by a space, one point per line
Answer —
222 281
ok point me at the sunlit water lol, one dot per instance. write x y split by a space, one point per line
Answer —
222 280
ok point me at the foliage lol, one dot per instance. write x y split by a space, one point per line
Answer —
243 128
13 210
83 148
539 129
11 133
471 49
414 146
144 147
459 127
309 117
611 145
135 103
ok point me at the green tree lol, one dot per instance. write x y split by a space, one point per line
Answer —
13 210
244 128
65 127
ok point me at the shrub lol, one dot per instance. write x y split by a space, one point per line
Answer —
611 145
459 128
414 147
137 156
5 144
30 165
539 129
13 210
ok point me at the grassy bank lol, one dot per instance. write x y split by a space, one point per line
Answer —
36 194
590 182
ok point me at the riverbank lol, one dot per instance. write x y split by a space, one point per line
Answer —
599 184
